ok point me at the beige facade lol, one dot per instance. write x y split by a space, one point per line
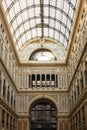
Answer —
68 90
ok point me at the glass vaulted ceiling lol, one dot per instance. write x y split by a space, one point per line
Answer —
29 19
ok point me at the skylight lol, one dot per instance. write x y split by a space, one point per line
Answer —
30 19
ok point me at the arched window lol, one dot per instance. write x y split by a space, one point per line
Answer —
3 120
85 73
14 101
8 94
43 116
7 120
11 119
42 55
81 81
4 88
11 98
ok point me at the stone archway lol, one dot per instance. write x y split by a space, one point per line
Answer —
43 115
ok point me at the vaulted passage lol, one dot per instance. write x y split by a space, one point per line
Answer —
43 116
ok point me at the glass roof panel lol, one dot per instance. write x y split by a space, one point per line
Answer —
23 39
21 29
64 19
57 25
73 2
19 19
31 12
65 43
45 31
46 11
37 2
22 4
51 32
56 35
12 13
28 35
16 7
68 24
62 29
29 2
24 16
39 31
60 3
51 23
33 33
61 39
8 2
52 12
40 18
46 2
37 11
67 34
52 2
66 7
15 24
46 21
32 23
17 34
71 12
58 14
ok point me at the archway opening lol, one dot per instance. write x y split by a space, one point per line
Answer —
43 115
